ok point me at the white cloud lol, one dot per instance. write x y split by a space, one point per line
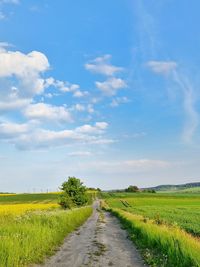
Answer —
119 100
79 107
44 111
21 65
80 93
102 65
28 136
80 154
162 67
111 86
83 108
26 69
62 86
14 104
12 130
98 128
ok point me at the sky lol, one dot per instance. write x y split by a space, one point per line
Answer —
107 91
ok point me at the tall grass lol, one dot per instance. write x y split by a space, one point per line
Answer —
29 237
173 246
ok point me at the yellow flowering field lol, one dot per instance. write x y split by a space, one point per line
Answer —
16 209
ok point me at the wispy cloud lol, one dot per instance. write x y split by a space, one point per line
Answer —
192 116
80 154
162 67
129 166
119 100
146 28
102 65
170 68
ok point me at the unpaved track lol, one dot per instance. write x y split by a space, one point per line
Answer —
100 242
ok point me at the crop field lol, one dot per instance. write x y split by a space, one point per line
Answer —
33 225
181 210
29 198
162 222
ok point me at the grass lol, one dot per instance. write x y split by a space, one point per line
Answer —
162 245
29 237
164 226
172 209
32 226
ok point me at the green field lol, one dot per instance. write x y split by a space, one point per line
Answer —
29 198
165 226
183 210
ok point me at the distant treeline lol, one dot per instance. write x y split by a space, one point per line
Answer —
174 187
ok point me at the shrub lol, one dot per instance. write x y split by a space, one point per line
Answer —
74 193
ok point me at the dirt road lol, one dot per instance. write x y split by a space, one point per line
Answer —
100 242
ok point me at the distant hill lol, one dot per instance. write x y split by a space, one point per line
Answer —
188 187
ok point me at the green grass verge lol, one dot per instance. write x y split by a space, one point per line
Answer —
29 238
161 245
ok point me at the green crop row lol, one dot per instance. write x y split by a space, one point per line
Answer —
181 211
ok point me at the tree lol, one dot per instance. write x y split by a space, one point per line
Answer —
74 193
132 188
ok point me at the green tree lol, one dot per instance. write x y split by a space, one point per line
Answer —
74 193
132 188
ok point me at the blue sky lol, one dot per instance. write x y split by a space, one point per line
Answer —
107 91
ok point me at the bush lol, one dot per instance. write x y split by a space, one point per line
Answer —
74 193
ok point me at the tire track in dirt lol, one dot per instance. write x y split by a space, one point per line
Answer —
100 242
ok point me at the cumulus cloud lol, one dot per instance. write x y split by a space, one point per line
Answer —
13 104
103 66
62 86
83 108
48 112
162 67
111 86
12 130
28 136
26 69
98 128
80 93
